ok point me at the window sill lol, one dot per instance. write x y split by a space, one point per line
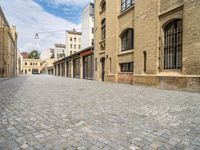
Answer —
125 73
126 11
102 41
125 52
102 52
102 11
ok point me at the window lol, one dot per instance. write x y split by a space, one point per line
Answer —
71 46
126 4
31 64
79 46
74 39
127 40
74 46
145 61
92 43
103 29
70 52
92 31
126 67
103 6
173 45
71 39
110 65
95 64
25 63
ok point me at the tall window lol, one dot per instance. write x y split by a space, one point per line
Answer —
103 6
103 29
126 4
173 45
127 40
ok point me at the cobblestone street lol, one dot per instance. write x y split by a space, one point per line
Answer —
47 112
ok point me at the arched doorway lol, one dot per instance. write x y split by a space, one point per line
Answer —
102 68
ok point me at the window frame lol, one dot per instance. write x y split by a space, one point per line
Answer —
103 29
127 43
127 67
173 45
125 4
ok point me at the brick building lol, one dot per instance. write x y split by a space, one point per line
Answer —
8 48
148 42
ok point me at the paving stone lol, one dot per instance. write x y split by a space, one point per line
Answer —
46 112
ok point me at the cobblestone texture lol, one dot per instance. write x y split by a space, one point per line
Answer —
47 112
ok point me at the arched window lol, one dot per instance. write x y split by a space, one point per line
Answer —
103 6
173 45
103 29
127 40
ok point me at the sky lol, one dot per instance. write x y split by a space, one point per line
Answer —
49 18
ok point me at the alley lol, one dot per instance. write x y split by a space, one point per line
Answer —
48 112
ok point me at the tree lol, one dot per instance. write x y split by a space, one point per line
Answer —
34 55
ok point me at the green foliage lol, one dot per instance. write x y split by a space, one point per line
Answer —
62 55
34 55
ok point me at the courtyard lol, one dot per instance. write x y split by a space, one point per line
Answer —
48 112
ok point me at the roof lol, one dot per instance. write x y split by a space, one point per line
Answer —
75 54
74 32
2 14
25 55
60 45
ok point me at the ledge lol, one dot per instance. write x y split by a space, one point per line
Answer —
125 52
102 41
180 7
126 11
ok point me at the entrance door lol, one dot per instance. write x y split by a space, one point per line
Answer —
103 69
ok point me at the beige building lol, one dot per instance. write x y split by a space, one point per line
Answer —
148 42
72 42
32 66
8 48
47 66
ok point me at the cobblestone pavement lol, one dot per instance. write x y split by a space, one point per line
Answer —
46 112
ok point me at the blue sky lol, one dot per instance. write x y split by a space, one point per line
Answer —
66 11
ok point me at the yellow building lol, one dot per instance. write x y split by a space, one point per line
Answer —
8 48
32 66
148 42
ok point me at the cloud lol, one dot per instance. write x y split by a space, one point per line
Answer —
70 2
30 18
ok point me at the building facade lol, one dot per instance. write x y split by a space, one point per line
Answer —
88 26
47 66
148 42
72 42
8 48
32 66
78 65
59 51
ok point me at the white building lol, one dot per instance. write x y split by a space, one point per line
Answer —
88 26
73 42
46 54
59 51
